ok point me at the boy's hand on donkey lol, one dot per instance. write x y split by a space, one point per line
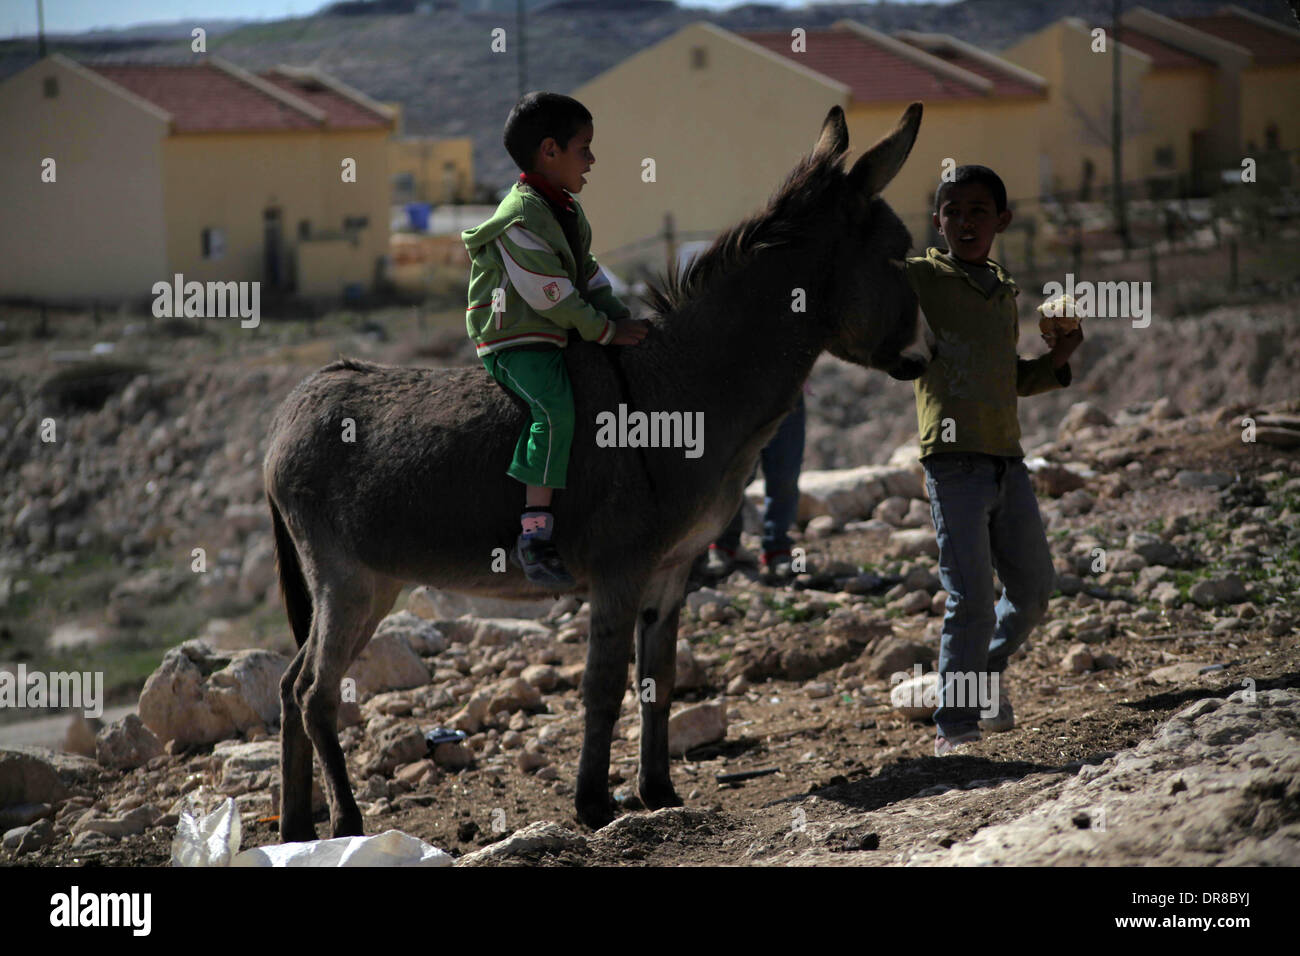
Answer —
629 331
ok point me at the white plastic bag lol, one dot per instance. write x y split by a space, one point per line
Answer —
390 848
206 839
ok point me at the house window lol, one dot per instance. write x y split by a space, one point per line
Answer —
1272 139
355 222
1165 157
304 228
214 243
699 57
51 87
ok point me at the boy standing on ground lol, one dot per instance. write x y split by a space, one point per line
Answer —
985 513
532 279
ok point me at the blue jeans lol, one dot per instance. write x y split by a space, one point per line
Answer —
782 458
985 516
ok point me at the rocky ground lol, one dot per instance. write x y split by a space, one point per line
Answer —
1156 709
1156 706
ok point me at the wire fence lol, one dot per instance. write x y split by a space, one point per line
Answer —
1076 230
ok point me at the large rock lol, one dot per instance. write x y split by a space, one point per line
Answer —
37 775
422 636
914 543
126 743
536 838
916 698
80 735
1152 549
242 763
497 632
1082 415
436 605
1214 786
199 695
395 745
853 493
514 694
1227 589
387 663
696 726
894 654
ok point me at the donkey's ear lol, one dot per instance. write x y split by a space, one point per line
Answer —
881 163
834 140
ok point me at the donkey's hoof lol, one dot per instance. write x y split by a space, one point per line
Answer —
597 812
298 833
658 797
348 826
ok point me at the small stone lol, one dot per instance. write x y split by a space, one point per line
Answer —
1077 660
696 726
916 698
1212 591
1202 479
529 760
817 690
453 756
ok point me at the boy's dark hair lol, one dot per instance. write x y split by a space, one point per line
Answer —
975 174
538 115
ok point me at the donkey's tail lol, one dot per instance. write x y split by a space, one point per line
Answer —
297 601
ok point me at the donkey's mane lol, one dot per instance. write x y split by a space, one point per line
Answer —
785 218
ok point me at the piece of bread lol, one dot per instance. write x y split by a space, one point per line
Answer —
1058 318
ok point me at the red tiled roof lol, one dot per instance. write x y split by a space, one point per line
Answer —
1163 56
1268 47
1004 82
872 73
203 98
340 112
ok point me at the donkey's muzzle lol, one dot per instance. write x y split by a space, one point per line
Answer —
916 356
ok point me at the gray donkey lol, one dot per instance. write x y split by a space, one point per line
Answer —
419 492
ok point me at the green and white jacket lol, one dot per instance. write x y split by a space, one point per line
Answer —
522 252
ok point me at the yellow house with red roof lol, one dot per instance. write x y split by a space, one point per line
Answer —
706 124
119 176
1200 93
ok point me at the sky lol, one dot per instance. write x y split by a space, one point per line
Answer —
18 17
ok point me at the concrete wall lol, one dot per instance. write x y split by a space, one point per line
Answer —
1176 103
98 231
1271 94
425 159
1002 134
1076 120
723 135
228 180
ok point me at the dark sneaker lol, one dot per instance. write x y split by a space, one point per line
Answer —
944 746
719 562
541 563
777 568
1004 720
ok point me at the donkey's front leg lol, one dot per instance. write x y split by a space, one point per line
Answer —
656 674
613 615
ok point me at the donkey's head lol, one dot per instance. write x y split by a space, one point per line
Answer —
871 311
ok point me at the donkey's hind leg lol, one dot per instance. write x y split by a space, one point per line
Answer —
345 617
656 662
295 760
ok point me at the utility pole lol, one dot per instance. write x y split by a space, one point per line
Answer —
1117 129
40 28
519 41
